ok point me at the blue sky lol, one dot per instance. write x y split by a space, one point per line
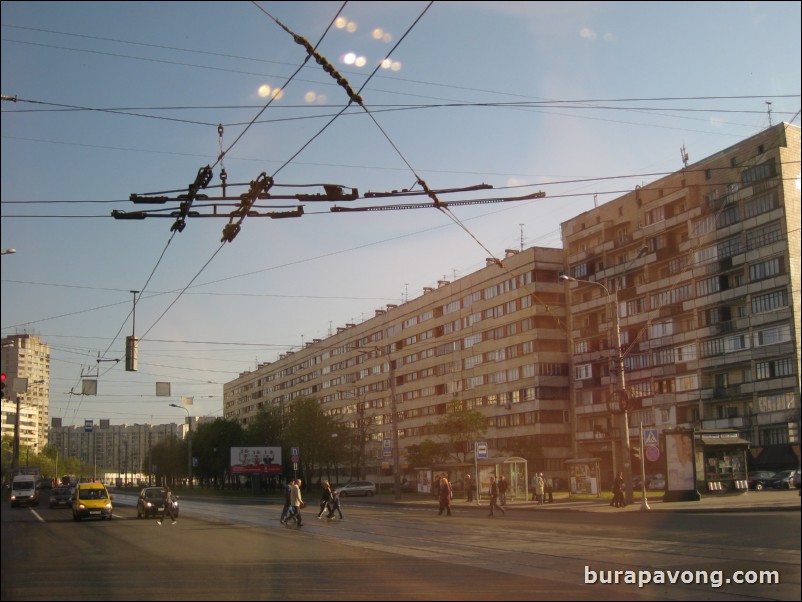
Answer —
575 99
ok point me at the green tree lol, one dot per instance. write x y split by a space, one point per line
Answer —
310 430
427 453
461 429
211 445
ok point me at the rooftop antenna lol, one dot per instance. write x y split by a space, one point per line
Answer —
768 102
522 236
684 154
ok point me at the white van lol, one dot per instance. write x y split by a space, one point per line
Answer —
24 491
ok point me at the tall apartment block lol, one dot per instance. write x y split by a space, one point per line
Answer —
494 341
703 268
26 356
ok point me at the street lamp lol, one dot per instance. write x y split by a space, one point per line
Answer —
619 405
8 252
189 441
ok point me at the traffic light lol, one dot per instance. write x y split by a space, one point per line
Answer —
3 386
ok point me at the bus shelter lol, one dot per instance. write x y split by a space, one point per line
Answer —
513 469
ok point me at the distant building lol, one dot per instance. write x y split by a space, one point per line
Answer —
494 341
26 356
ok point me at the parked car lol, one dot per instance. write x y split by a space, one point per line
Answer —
151 502
783 480
91 500
358 488
61 497
656 483
760 479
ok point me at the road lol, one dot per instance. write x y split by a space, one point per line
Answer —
238 550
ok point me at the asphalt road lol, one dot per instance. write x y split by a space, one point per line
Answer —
239 551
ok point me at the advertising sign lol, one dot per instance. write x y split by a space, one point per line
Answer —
255 460
679 461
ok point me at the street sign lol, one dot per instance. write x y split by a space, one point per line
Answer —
295 455
652 453
88 425
481 450
650 437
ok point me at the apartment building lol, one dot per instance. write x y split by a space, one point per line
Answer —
494 341
26 356
697 274
703 270
123 448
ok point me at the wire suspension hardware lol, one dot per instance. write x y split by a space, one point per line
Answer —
258 187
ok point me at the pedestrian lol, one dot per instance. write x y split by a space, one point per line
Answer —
445 496
550 490
618 491
493 491
297 502
335 505
469 487
325 499
287 510
502 490
540 487
167 500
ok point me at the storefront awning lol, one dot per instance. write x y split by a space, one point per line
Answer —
724 441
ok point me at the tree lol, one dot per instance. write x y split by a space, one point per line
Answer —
211 444
461 429
427 453
310 430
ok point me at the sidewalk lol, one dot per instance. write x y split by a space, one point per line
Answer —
752 501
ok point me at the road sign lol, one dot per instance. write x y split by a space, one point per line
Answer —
88 425
650 437
295 455
652 453
481 450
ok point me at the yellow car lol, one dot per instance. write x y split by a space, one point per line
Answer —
91 500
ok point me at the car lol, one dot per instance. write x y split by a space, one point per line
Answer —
358 488
61 497
91 500
151 502
783 479
760 479
797 477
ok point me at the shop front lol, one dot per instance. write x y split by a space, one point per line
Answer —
721 462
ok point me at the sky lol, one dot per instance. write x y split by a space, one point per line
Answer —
582 101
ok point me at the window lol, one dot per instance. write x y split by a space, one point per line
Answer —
774 369
770 301
765 235
758 205
708 286
765 269
772 336
759 172
583 372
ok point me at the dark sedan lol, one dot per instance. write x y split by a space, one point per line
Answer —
151 502
760 479
783 480
61 497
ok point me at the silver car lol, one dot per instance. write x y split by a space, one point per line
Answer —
358 488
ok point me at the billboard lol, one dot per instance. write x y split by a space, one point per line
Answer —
255 460
679 461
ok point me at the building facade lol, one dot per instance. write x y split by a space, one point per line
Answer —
494 341
26 356
682 297
703 269
122 449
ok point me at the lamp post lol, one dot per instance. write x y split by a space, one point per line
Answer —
619 405
189 441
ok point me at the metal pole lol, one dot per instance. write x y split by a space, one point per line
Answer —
15 461
396 468
622 398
